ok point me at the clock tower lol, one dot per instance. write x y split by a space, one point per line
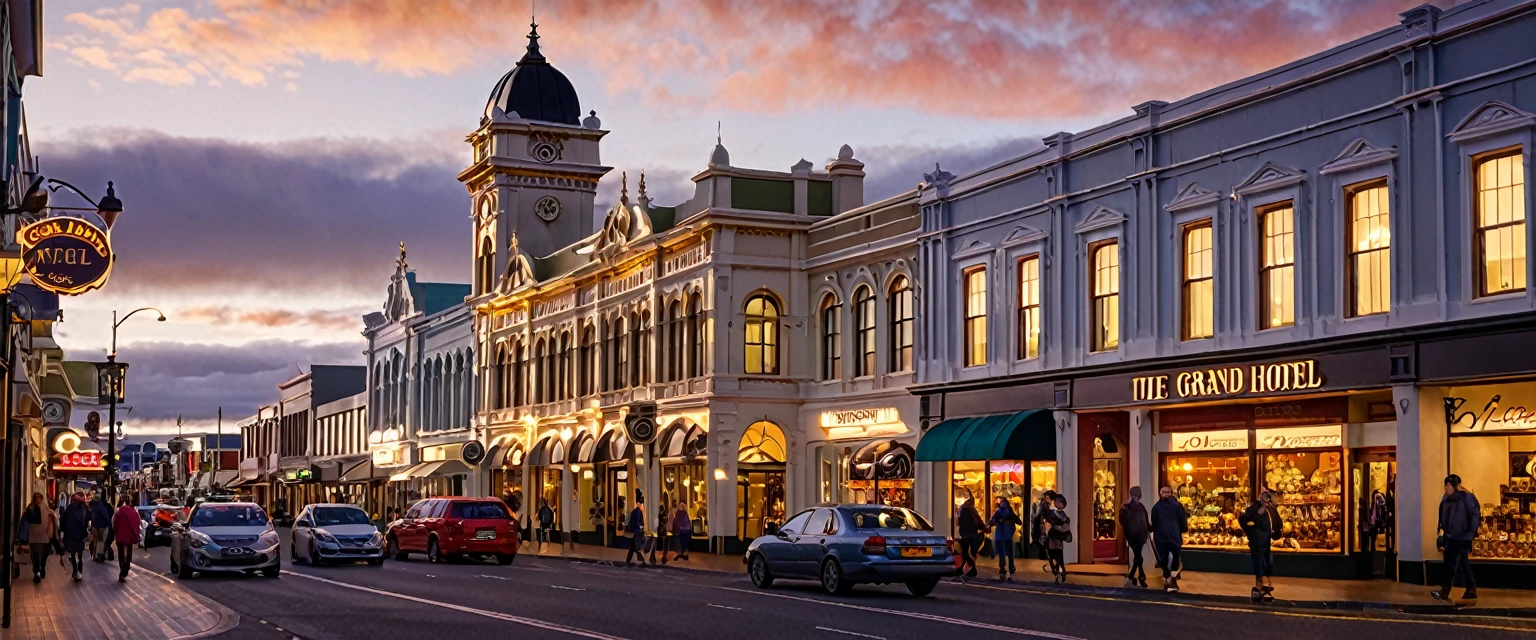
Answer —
535 167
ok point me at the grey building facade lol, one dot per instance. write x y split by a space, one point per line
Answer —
1313 280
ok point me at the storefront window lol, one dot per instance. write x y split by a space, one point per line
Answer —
1021 482
1309 492
687 483
1214 489
1501 472
968 482
1108 474
553 480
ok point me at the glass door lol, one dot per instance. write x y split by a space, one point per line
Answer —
1373 476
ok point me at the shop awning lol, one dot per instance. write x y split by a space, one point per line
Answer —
450 468
360 471
1025 435
418 471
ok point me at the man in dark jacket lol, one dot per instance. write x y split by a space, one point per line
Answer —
971 528
636 530
76 528
1137 526
101 522
1169 523
1460 517
1261 524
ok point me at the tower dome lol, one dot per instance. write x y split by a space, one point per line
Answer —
535 90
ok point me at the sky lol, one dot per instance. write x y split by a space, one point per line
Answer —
272 154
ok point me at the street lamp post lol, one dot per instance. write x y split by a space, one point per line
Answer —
115 372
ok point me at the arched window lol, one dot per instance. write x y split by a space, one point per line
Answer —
762 335
635 338
645 349
519 374
762 443
620 354
900 302
586 366
674 366
564 386
487 272
864 323
539 356
503 376
831 338
551 382
695 362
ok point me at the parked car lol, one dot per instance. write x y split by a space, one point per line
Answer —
842 545
335 532
451 528
225 537
155 524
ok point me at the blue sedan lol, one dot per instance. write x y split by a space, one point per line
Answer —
843 545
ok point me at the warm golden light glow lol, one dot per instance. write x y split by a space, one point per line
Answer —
1105 325
1277 270
1199 282
975 316
1029 308
1500 202
762 335
1369 246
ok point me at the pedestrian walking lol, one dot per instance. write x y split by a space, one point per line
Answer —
125 525
101 523
1005 523
1059 536
1169 524
971 534
42 530
1261 524
1137 525
682 525
76 528
1037 523
546 522
1376 522
658 543
635 529
1460 518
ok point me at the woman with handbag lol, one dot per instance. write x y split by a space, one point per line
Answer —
42 529
1058 536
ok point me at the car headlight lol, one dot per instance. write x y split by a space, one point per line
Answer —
376 539
198 539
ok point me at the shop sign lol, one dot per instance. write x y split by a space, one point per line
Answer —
388 457
1227 382
78 461
859 417
65 255
1209 441
1491 409
1328 437
298 475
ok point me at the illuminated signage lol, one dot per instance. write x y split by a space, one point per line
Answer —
1222 382
1491 409
1327 437
78 461
859 417
65 255
1209 441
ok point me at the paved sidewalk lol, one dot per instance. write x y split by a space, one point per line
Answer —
1108 580
148 606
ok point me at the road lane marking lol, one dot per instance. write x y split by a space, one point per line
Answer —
721 606
507 617
556 586
920 616
850 633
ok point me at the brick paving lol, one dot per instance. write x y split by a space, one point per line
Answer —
147 606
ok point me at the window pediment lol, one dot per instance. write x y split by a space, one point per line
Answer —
1023 234
1102 217
1492 118
1191 196
1357 154
1270 175
975 248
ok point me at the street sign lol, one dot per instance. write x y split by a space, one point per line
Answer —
66 255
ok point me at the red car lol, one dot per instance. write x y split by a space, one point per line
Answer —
451 528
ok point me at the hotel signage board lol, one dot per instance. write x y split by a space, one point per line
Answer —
1228 382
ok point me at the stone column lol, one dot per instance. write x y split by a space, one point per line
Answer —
1066 477
1422 458
1142 457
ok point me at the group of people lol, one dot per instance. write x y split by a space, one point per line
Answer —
75 524
1049 522
1164 526
672 520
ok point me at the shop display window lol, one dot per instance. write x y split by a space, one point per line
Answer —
1214 490
1501 472
553 480
968 482
686 483
1309 493
1042 477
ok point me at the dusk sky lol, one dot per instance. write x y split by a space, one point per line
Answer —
272 154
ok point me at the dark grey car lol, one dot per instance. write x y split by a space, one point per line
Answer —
843 545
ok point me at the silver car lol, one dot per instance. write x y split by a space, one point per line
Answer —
225 537
335 532
841 545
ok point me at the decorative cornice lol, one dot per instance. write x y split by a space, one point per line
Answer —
1270 176
1101 218
1357 154
1023 234
1491 119
1191 196
973 249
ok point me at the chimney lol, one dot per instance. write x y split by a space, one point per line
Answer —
847 181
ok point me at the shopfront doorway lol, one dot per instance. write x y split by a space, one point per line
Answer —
760 481
1373 477
1109 492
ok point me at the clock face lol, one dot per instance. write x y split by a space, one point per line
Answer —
547 208
54 412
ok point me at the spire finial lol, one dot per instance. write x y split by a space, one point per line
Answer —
401 262
644 199
718 129
533 55
623 186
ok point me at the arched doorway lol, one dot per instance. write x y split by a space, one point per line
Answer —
760 480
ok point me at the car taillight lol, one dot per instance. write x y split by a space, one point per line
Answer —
874 546
950 542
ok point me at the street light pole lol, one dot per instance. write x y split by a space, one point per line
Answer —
115 375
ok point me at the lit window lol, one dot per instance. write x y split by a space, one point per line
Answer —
864 321
1370 249
1199 284
831 339
1277 267
762 335
901 324
1106 296
1501 222
976 316
1029 308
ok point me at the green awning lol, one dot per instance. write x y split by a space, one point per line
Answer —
1025 435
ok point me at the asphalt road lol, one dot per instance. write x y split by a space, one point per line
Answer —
551 598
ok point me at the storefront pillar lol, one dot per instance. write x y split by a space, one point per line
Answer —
1067 482
1143 455
1422 455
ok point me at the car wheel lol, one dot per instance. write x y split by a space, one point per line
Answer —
434 554
922 588
392 548
505 559
758 570
314 557
832 579
376 562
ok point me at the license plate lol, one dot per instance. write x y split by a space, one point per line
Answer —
485 535
917 552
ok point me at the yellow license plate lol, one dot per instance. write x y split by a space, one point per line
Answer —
917 552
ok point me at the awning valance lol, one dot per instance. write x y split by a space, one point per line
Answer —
417 471
451 468
1025 435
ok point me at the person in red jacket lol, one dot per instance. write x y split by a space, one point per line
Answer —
125 527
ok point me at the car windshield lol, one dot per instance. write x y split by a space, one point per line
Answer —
332 516
888 518
229 515
480 511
